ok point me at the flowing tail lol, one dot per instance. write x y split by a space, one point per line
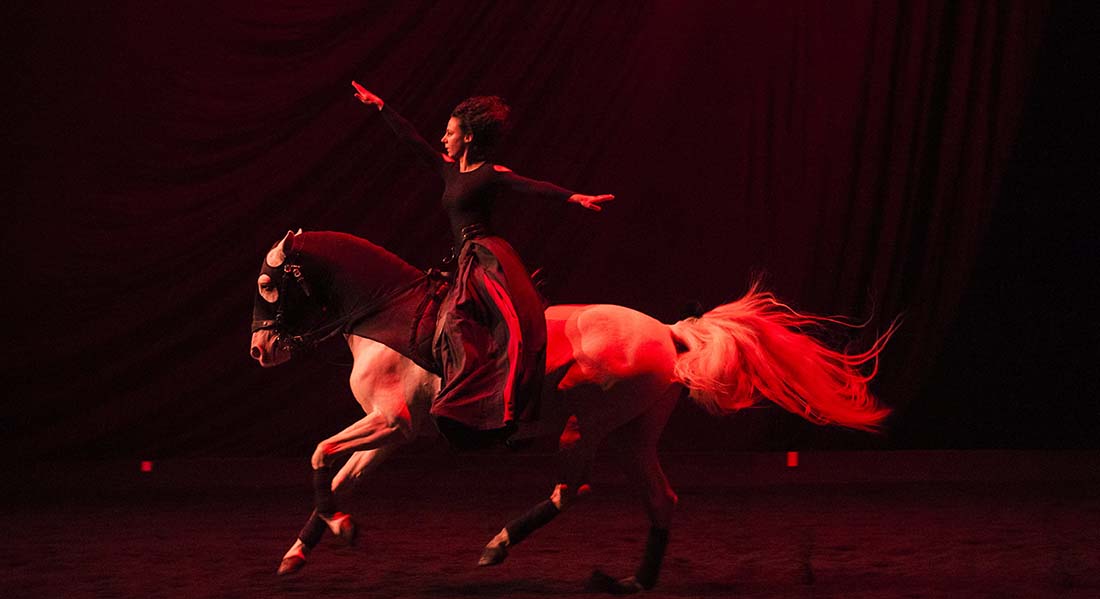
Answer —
755 348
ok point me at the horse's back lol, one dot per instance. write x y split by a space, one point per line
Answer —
605 344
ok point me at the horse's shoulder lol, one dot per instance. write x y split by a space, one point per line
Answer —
376 365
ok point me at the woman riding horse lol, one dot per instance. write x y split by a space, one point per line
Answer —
490 341
491 333
611 374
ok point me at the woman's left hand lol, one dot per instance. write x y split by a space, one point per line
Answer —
591 202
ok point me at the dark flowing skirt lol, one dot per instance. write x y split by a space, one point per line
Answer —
491 342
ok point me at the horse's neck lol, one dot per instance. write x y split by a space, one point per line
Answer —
359 269
382 296
404 322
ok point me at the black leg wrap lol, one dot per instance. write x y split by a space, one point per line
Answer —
323 499
313 530
535 518
654 554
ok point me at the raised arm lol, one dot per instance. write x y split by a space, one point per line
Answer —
404 129
523 185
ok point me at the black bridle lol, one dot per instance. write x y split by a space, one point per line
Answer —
294 344
278 321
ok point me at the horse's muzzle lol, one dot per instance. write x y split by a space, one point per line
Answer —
267 350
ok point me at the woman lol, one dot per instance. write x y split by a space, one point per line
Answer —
491 333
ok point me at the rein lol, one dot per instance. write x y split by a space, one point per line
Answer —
443 281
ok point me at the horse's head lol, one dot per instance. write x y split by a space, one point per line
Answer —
285 306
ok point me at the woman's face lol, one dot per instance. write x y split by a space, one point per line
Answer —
454 140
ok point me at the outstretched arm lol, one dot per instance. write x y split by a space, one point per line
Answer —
404 129
525 186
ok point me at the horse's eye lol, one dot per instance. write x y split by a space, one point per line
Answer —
268 289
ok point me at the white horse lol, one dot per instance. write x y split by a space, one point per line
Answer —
609 369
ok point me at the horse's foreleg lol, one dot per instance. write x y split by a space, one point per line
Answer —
360 464
372 438
342 485
295 557
370 432
340 524
344 482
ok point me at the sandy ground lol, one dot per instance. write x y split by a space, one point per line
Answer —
422 539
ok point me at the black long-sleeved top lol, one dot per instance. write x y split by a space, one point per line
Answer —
468 197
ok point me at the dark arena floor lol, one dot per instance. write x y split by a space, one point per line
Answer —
888 524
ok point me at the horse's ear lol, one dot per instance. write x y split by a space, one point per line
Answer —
277 255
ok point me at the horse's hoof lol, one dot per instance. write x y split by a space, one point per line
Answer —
600 582
347 530
493 555
291 564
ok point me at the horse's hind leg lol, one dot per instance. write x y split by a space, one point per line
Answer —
635 448
575 455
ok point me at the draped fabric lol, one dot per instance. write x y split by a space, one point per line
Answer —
850 152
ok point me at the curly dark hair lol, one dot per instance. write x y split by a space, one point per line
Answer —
486 118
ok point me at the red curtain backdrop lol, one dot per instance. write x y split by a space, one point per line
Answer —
848 152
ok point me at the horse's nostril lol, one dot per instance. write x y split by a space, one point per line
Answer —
256 352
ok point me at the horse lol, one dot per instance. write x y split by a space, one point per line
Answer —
611 372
